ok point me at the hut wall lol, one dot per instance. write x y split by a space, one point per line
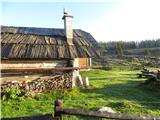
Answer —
33 63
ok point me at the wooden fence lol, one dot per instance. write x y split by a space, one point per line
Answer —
59 111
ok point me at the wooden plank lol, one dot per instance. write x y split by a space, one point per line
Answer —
3 37
83 62
8 38
5 70
59 111
83 112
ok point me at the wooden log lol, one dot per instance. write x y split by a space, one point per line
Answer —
59 110
49 77
82 112
158 74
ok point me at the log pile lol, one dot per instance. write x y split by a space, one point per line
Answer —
42 84
153 81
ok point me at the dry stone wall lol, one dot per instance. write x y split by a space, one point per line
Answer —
57 82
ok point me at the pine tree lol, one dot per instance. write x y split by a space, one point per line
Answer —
119 50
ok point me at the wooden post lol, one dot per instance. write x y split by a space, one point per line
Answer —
57 104
158 74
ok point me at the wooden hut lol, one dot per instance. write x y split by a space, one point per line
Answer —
29 47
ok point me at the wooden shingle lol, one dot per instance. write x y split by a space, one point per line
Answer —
45 43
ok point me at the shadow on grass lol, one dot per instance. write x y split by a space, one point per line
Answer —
131 91
109 78
36 117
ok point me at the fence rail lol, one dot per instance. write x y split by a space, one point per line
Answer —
59 111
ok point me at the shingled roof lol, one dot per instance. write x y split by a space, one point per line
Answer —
45 43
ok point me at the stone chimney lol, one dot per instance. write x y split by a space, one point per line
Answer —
68 27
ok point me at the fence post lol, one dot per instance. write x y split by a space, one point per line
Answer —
57 104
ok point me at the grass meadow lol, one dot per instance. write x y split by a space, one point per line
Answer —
120 90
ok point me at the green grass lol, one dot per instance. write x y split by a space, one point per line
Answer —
120 90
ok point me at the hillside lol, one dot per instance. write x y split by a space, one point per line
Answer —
149 48
154 52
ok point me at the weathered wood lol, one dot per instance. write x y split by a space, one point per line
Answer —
5 70
57 104
59 110
39 85
158 74
140 75
49 77
26 39
146 73
83 112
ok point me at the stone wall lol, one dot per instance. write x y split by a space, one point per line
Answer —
57 82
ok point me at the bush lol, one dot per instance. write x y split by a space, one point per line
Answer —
106 68
136 67
11 93
135 60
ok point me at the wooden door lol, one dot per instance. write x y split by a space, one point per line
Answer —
83 62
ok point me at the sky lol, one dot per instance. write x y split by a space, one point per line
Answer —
106 20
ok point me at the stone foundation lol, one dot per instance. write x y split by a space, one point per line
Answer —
51 83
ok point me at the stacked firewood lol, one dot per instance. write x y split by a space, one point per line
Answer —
42 84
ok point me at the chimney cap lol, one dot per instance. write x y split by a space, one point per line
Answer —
66 15
65 12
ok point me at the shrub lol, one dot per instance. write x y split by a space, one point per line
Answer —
11 93
106 68
135 60
136 67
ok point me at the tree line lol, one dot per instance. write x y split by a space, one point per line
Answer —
118 47
130 44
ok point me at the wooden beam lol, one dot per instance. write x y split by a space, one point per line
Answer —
59 111
83 112
5 70
35 70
